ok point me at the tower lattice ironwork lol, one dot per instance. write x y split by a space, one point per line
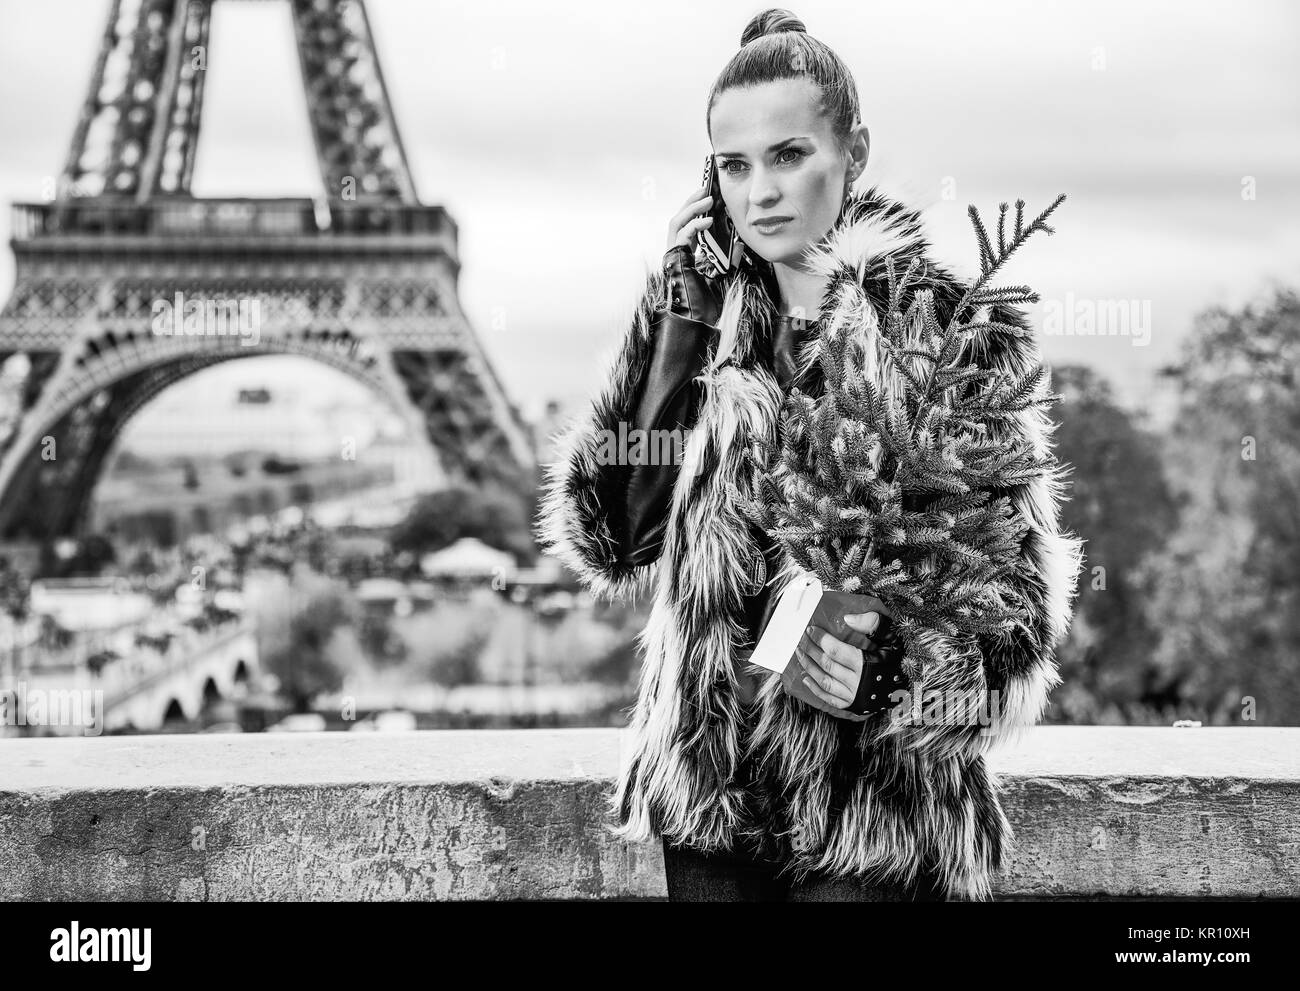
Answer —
364 280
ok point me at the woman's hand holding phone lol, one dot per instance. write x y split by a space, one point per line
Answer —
688 222
690 294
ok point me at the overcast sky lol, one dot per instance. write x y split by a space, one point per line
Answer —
561 138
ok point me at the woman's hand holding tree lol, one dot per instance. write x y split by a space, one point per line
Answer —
832 667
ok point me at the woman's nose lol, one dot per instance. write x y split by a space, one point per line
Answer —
763 192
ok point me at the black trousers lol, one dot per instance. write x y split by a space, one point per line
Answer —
694 876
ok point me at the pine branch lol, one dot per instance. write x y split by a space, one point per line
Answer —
991 264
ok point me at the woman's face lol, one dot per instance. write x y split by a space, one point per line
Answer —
777 158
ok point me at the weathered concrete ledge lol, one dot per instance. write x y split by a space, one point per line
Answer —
482 814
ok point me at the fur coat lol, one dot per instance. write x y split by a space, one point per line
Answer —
847 798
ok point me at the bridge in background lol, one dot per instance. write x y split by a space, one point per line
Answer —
91 642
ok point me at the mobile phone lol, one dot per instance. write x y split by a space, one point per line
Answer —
719 240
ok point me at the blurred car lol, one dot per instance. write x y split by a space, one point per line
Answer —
229 599
554 604
391 721
299 722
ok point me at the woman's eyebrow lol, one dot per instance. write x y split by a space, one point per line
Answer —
776 147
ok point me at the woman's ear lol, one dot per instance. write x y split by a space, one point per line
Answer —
859 152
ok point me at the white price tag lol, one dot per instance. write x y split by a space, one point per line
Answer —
794 609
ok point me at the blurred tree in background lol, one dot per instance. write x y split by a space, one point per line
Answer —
305 634
444 645
1189 601
15 591
1229 580
86 556
498 518
1121 505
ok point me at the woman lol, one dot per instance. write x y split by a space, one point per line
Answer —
756 793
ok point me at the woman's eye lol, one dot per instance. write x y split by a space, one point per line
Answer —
794 153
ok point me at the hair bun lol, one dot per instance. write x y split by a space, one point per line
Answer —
774 20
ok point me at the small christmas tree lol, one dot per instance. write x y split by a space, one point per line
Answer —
884 484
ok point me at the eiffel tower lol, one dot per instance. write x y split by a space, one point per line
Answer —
363 280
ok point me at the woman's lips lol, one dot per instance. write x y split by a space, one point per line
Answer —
771 227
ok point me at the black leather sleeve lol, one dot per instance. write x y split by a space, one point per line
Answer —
689 293
669 400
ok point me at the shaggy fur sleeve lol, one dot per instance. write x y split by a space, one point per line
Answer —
993 689
578 491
